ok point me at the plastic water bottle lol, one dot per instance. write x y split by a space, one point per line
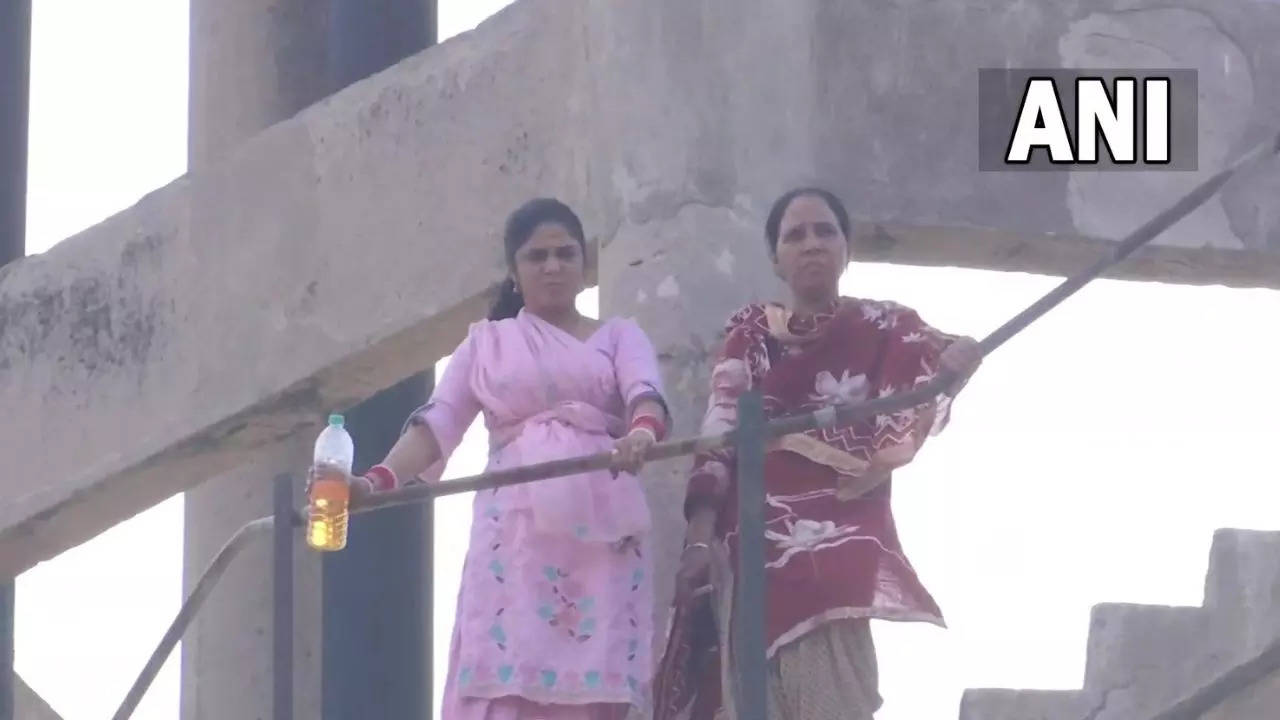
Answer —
330 492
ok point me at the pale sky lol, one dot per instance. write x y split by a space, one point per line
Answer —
1089 461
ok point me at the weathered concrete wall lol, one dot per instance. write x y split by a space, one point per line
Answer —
232 309
307 270
869 100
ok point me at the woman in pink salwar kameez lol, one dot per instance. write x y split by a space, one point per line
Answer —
554 618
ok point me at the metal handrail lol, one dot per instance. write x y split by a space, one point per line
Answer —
492 480
826 417
188 611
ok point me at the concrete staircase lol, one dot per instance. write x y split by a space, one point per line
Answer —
27 705
1143 658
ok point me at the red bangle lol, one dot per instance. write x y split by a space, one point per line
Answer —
382 478
652 423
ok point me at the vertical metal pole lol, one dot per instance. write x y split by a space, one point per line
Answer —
428 606
282 597
6 650
431 13
15 83
377 592
373 652
15 94
749 623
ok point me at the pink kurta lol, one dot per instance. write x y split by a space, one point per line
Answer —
554 612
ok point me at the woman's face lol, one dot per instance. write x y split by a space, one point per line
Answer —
812 250
549 269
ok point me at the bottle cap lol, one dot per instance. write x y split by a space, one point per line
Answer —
335 420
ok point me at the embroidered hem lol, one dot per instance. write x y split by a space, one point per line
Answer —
493 691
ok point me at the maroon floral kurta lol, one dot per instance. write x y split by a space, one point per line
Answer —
832 549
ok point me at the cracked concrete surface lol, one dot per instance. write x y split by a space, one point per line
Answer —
1109 204
1101 707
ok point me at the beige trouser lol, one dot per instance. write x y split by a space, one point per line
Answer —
829 674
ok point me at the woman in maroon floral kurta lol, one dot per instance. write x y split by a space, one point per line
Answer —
833 560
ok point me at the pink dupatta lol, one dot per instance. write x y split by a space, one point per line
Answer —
547 395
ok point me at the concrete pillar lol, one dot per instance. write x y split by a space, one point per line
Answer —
686 250
656 274
253 63
15 81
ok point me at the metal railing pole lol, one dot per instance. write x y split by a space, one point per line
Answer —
188 612
7 627
429 604
282 599
750 604
494 479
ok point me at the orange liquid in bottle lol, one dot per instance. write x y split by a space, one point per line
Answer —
328 512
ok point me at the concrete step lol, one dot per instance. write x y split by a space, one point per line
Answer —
28 705
1001 704
1242 588
1143 658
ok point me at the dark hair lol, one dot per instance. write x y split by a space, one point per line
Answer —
520 225
773 224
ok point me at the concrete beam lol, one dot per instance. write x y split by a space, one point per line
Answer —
1059 254
306 271
253 63
348 247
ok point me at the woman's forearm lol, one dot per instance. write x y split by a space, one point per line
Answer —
651 416
415 451
702 525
